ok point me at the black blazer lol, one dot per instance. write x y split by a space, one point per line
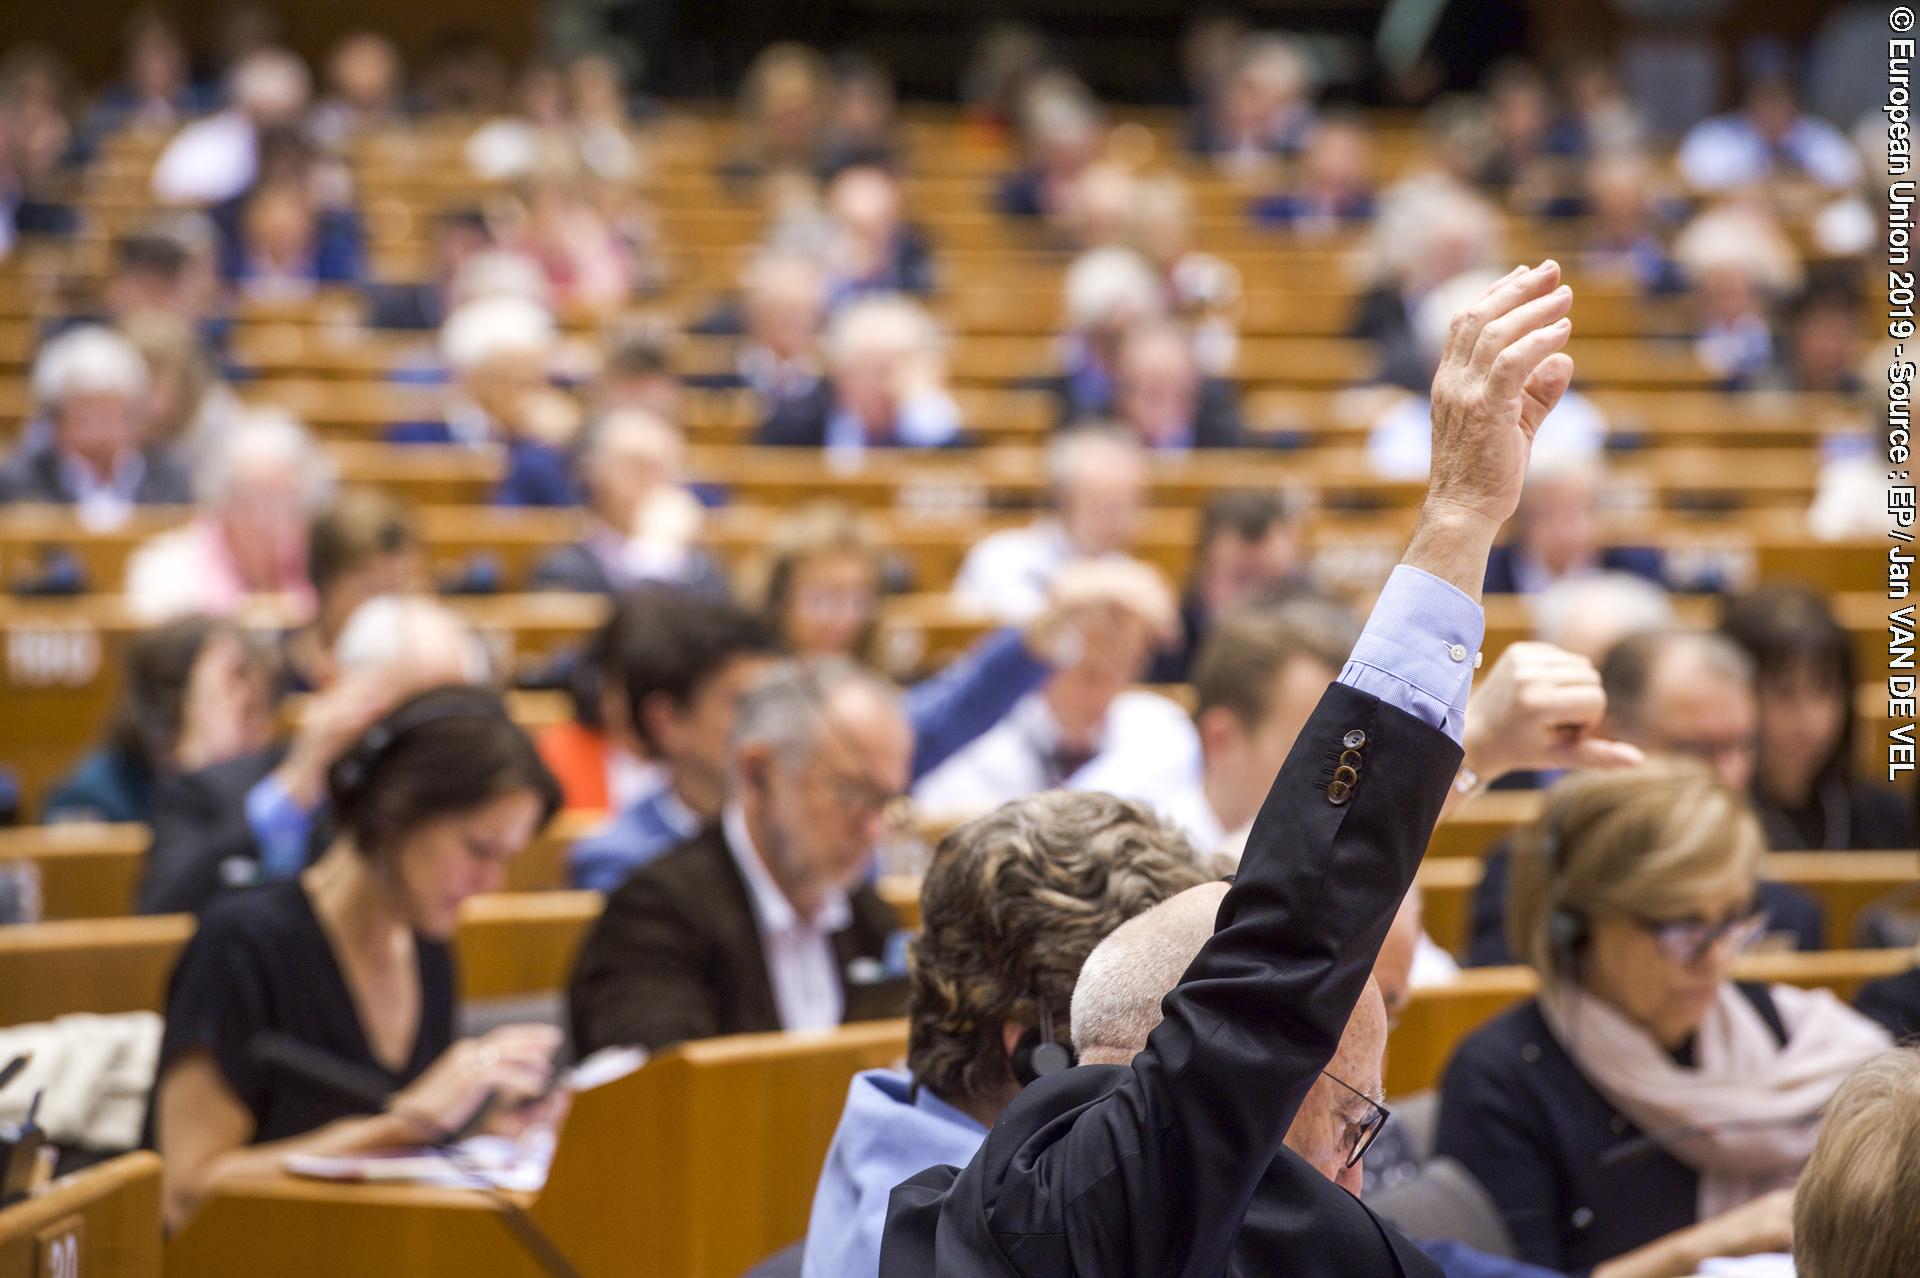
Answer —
1216 414
800 421
676 955
36 477
573 567
1575 1180
1640 561
202 842
1173 1167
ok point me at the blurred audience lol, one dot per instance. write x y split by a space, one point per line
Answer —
1061 134
860 124
885 386
190 411
1107 292
1096 495
785 100
1738 261
1162 397
88 448
1769 139
871 249
256 493
40 156
361 545
643 521
1428 232
1645 1112
214 159
195 693
1807 790
460 235
1555 535
1626 239
286 245
155 93
1333 189
766 918
591 264
1251 548
351 960
1590 613
366 90
1264 108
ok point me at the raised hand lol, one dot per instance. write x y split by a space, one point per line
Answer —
1500 374
1538 708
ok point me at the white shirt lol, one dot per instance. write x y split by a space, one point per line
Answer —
1144 735
1174 790
1009 572
800 961
208 161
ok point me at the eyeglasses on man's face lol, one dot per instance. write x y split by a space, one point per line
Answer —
1359 1134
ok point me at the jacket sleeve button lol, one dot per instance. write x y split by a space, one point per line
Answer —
1354 739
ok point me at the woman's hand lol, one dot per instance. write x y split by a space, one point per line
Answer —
513 1065
1765 1224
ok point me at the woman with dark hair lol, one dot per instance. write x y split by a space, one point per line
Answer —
1804 787
350 961
195 695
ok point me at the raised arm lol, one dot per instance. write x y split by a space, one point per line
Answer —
1154 1177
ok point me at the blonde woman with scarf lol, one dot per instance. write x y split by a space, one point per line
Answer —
1646 1111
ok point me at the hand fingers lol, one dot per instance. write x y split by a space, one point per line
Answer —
1456 328
1464 333
1566 705
1517 323
1515 365
1595 752
1544 389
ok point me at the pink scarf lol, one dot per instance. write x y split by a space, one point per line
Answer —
1745 1116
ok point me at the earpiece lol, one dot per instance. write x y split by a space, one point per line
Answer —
1039 1053
351 771
1566 927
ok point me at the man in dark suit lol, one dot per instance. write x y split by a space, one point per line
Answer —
884 387
765 919
1556 535
1175 1165
1160 394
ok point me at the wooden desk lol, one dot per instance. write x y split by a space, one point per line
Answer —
88 870
103 1222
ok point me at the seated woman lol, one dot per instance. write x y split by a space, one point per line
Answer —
1806 791
194 695
1645 1112
350 961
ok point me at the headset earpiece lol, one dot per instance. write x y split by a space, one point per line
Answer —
1039 1053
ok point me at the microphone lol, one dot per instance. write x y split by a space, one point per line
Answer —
12 1068
1630 1151
318 1072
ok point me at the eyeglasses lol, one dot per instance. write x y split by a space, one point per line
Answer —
1361 1135
860 798
1690 940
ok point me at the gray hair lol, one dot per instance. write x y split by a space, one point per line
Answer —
404 630
265 435
1105 282
1116 1002
89 359
1072 452
886 321
787 707
1631 605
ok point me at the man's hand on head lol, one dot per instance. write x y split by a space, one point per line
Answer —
1540 707
1104 603
1500 374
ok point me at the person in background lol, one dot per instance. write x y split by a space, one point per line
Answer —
1520 109
1107 292
287 245
871 249
1684 694
256 494
1427 232
214 159
1738 260
1770 139
885 386
1097 491
641 371
351 960
591 264
1588 615
861 118
39 154
366 87
1645 1112
1334 189
191 412
784 100
683 664
1161 395
783 306
460 234
1555 535
361 545
1251 547
643 519
154 94
89 451
498 351
596 755
258 817
1850 1217
765 920
1806 790
1627 241
1264 110
1823 348
1011 906
194 694
1116 1007
1061 134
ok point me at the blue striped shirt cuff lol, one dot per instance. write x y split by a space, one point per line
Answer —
1418 650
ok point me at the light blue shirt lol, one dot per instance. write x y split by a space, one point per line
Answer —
280 826
639 834
1419 649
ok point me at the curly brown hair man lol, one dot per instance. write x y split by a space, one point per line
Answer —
1012 905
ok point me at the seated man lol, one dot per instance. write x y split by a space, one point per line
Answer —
1555 535
1116 1006
89 449
764 920
255 818
1251 546
1097 490
643 518
1163 398
885 387
1176 1165
1012 905
683 663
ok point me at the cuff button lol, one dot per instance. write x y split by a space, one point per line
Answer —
1338 792
1457 651
1354 739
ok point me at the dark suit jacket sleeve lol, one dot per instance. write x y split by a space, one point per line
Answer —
1154 1177
199 824
640 979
